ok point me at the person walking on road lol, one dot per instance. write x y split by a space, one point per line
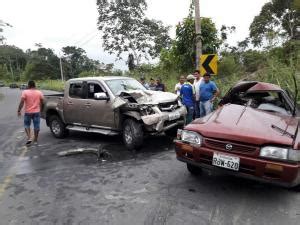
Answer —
187 93
197 83
179 85
208 93
33 100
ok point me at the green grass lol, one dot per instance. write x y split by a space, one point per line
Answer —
53 85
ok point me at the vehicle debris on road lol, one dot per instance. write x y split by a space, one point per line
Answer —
100 152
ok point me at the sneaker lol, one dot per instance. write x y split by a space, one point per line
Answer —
28 142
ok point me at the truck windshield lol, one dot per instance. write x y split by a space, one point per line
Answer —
117 86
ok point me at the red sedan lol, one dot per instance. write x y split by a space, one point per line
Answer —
253 134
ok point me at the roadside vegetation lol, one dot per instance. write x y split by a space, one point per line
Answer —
271 53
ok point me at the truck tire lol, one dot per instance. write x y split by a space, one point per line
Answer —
57 127
193 169
133 134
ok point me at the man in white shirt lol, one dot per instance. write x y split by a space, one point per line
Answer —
178 85
197 83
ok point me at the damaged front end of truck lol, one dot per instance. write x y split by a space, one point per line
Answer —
158 111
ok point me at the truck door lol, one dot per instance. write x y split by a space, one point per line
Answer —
98 112
74 104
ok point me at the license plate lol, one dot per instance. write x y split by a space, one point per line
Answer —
174 116
226 161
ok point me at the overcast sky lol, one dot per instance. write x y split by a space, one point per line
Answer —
58 23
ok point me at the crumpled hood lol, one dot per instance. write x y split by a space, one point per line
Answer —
248 125
152 97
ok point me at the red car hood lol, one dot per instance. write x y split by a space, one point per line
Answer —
244 124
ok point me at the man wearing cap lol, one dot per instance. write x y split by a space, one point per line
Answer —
208 93
187 93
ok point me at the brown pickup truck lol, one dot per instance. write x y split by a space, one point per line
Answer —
112 106
253 134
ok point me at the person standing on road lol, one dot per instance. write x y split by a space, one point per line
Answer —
197 83
208 93
179 85
187 93
159 85
33 100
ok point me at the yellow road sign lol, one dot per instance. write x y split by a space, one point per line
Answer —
209 64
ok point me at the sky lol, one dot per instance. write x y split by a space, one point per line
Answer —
59 23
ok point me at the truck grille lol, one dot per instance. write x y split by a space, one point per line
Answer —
235 147
168 107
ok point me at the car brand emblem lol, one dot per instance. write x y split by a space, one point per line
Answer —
228 147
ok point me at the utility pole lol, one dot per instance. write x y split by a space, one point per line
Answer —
198 33
61 70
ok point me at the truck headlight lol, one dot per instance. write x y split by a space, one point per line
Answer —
191 137
274 152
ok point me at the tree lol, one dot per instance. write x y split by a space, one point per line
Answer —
2 25
13 60
42 64
75 61
126 30
130 62
182 54
277 21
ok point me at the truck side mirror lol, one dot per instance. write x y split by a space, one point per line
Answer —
101 96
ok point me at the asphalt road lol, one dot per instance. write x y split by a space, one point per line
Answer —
147 187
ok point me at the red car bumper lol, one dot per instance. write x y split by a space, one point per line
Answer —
280 173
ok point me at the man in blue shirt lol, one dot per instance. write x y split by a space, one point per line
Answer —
187 93
208 93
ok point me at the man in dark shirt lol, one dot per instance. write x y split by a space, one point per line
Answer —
152 85
159 86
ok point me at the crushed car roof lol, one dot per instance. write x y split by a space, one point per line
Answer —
253 86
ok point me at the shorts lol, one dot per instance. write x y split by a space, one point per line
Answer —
35 117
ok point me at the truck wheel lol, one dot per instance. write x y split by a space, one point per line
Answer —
193 169
133 134
57 127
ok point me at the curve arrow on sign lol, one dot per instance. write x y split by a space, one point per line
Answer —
206 63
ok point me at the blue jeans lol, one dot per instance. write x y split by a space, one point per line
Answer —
197 109
205 108
190 114
35 117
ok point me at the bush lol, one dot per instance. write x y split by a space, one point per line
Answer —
228 66
253 60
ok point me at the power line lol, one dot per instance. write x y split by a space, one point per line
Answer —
83 39
86 42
